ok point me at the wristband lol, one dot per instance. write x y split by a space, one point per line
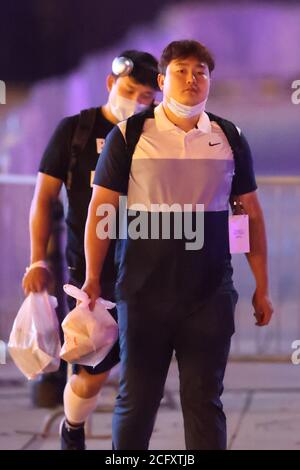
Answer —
38 264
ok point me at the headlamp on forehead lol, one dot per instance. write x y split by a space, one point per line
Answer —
122 66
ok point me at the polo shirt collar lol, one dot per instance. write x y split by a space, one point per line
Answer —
164 124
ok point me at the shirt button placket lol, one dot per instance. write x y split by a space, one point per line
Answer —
186 145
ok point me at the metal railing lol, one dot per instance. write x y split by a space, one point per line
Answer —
280 198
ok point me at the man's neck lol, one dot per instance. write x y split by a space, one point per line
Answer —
186 124
108 114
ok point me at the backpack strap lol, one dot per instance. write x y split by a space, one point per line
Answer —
134 128
237 142
231 132
135 124
80 139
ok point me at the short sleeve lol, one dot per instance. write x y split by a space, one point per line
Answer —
113 167
56 157
244 178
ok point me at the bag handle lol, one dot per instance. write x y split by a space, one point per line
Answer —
79 294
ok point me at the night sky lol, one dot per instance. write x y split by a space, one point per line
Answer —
49 37
42 38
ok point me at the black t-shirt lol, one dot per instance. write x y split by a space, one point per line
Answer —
55 162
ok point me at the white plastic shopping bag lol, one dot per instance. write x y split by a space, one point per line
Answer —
34 342
89 335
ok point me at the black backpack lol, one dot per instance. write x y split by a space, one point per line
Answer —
134 128
84 129
238 143
80 139
136 122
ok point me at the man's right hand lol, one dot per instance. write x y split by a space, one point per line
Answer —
36 280
93 290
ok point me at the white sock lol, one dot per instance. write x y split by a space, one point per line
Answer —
77 409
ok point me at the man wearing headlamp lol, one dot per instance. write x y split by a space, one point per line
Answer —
131 85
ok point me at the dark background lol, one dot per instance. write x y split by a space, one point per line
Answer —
41 38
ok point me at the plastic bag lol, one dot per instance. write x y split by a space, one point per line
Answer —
34 342
89 335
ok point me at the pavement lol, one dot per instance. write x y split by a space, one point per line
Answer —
261 401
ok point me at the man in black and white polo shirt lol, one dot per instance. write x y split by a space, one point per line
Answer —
173 296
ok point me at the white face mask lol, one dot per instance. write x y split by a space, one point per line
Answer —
184 111
122 108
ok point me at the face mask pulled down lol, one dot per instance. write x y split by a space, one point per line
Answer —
184 111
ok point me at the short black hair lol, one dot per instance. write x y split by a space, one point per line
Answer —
145 67
183 49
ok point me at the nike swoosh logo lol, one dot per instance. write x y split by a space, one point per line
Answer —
212 145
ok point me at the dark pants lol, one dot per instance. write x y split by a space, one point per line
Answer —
200 334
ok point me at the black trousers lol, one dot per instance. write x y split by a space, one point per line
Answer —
200 333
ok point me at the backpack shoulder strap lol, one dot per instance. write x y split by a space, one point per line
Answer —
86 121
135 125
134 128
82 133
230 131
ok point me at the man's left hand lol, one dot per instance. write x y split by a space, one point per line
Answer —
263 308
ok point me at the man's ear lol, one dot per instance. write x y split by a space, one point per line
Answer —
160 81
110 80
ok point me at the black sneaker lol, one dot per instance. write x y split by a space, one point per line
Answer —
71 438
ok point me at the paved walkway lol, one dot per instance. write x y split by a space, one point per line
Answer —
262 402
